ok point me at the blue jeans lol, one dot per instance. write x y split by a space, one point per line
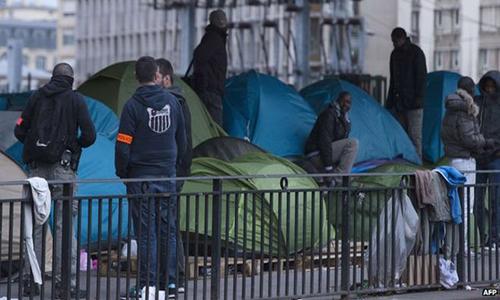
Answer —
155 227
494 201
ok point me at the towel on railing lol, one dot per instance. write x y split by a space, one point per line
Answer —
40 208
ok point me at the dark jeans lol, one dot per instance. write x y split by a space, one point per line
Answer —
213 103
494 201
155 227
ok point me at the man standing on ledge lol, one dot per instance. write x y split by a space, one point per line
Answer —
210 65
407 86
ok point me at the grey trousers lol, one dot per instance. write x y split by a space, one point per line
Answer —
343 155
412 121
54 172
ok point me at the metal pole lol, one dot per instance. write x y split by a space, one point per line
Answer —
188 17
302 36
344 272
216 239
14 64
67 237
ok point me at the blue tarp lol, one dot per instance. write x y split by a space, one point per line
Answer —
97 161
439 85
268 113
379 134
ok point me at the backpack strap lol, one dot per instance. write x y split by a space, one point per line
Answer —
189 68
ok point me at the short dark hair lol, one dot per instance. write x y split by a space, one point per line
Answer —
342 95
398 33
145 69
165 68
63 69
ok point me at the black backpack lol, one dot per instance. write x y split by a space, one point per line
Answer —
48 135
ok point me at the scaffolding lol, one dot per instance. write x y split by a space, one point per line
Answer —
298 41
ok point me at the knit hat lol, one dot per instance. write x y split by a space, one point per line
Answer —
218 18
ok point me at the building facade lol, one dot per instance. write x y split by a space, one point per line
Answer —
296 42
456 35
66 37
39 41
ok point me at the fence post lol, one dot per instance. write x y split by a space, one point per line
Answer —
461 238
67 237
344 272
216 239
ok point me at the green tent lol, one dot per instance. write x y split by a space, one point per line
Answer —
305 227
115 84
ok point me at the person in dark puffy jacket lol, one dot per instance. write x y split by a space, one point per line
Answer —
406 94
461 137
489 126
329 147
210 65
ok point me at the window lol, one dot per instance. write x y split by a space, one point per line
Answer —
69 8
439 18
415 15
483 58
68 37
487 19
455 59
26 60
456 17
438 60
41 62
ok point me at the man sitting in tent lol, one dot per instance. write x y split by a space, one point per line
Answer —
329 147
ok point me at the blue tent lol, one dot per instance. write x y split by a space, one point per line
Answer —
379 134
439 85
268 113
97 161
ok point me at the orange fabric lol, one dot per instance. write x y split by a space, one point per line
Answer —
125 138
19 121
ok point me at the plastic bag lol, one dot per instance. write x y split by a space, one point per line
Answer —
133 249
448 273
405 232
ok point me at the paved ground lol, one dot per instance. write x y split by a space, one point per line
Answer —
269 284
451 295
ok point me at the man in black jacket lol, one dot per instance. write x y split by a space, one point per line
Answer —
489 126
329 147
406 95
210 65
48 128
184 162
151 137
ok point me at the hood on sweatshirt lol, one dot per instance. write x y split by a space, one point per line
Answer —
58 84
493 75
153 96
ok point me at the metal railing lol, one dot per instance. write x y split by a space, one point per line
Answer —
243 243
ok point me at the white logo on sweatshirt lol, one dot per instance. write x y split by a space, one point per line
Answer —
159 120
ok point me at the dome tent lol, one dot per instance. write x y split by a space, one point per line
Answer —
268 113
303 228
439 85
380 136
225 148
116 83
